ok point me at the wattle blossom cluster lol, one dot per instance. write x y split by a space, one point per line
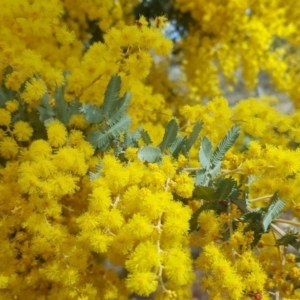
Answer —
95 207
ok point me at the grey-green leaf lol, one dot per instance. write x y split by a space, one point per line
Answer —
170 135
62 108
92 113
193 136
177 146
119 109
225 144
111 95
205 152
201 177
146 137
149 154
275 207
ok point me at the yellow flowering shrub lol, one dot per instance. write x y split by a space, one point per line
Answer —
117 181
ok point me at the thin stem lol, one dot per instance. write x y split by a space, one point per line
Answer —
235 171
287 222
260 198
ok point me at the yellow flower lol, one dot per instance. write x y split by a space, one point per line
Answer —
22 131
142 283
40 148
5 117
34 91
184 185
12 105
57 133
8 148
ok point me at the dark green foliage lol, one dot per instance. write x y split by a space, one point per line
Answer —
289 239
205 192
227 188
5 95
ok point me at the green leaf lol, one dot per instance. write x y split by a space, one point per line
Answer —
61 106
111 95
241 204
5 95
122 125
120 108
101 140
131 138
201 177
177 145
225 187
170 135
146 137
149 154
205 152
275 207
96 175
289 239
98 139
205 192
225 144
193 136
194 220
92 113
45 110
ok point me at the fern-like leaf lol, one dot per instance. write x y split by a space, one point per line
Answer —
275 207
170 135
205 152
146 137
193 136
177 146
92 113
119 109
225 144
111 95
149 154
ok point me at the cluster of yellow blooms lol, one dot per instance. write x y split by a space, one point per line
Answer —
254 36
127 231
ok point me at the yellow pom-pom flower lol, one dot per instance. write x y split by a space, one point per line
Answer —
22 131
57 134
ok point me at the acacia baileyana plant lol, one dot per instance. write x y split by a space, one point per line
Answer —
109 190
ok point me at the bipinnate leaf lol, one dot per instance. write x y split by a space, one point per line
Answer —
100 139
149 154
205 192
61 106
119 109
170 135
289 239
275 207
177 145
146 137
111 95
225 187
45 110
201 177
225 144
205 152
92 113
193 136
131 138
